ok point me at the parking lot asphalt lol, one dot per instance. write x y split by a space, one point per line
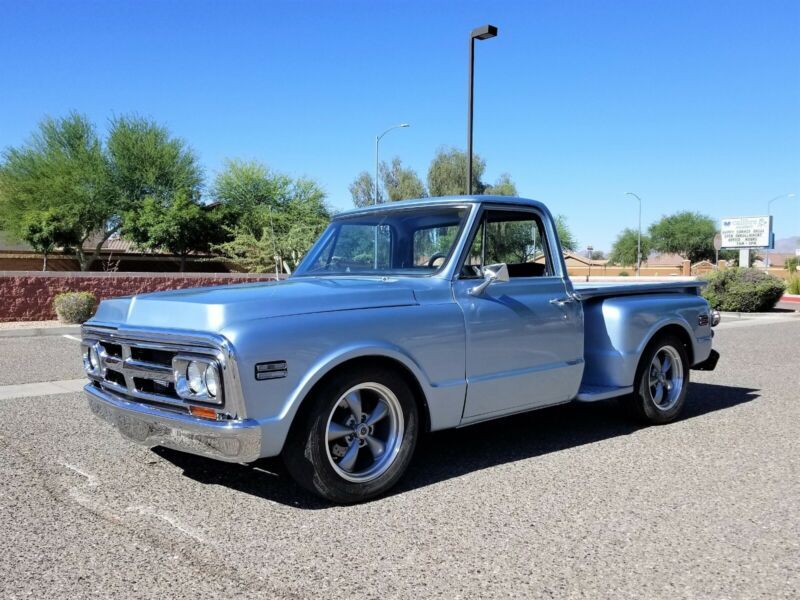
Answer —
568 502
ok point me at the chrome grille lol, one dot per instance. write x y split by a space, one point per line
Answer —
139 370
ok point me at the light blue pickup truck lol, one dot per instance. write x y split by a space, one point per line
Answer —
403 318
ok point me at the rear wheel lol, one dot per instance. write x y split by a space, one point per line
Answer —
661 383
357 438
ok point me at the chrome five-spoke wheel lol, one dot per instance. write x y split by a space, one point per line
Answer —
364 432
665 378
661 381
355 435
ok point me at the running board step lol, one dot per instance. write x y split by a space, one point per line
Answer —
593 393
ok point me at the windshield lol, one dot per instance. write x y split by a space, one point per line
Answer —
414 241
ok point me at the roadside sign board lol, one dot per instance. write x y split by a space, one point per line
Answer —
746 232
717 242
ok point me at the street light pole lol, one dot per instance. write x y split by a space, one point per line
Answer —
639 239
377 158
769 214
481 33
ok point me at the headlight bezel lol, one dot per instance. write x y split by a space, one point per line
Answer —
94 356
181 366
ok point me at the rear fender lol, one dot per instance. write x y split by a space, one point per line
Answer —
618 329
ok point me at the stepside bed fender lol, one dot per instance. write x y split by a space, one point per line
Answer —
618 329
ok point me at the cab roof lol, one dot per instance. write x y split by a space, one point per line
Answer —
445 200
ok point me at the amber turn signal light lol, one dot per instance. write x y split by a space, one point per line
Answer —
203 412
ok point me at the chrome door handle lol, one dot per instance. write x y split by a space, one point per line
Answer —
562 301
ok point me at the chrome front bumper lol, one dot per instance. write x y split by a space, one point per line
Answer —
231 441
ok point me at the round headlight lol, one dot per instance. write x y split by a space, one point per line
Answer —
194 377
94 359
212 380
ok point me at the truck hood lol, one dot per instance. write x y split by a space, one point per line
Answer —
213 308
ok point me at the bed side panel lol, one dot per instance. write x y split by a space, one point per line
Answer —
617 329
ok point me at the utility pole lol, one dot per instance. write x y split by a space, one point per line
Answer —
481 33
639 239
377 157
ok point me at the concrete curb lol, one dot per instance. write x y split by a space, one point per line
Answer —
43 388
40 331
759 315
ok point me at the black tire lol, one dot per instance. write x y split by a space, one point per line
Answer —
307 455
641 404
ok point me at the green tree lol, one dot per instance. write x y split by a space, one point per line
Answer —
179 225
156 181
597 255
243 188
64 188
362 190
623 251
272 219
688 234
447 174
502 187
568 241
400 183
55 190
44 232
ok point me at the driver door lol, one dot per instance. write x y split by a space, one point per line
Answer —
524 337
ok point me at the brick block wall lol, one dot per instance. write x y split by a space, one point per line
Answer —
28 295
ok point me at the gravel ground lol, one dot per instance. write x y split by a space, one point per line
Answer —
571 501
34 359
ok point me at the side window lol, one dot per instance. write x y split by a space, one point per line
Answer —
516 238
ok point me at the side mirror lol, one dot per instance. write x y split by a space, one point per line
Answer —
491 274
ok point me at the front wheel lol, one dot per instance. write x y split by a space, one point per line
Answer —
662 380
356 438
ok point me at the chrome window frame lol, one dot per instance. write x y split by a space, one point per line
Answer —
558 268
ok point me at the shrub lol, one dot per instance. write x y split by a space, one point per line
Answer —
74 307
791 264
794 285
743 290
624 274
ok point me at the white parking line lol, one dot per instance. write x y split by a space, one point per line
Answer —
71 337
44 388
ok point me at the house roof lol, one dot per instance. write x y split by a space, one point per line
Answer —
667 259
114 244
595 262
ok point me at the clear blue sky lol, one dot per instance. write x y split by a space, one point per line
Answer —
691 104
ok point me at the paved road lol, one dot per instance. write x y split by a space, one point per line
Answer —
566 502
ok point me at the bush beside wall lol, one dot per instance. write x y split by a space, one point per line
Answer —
74 307
743 290
28 296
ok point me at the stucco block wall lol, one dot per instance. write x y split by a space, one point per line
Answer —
28 296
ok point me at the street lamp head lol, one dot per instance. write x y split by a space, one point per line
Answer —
484 33
404 125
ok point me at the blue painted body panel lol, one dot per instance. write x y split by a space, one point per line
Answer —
474 357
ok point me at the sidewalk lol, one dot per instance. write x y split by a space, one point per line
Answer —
37 328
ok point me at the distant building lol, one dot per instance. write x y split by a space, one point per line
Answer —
116 255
